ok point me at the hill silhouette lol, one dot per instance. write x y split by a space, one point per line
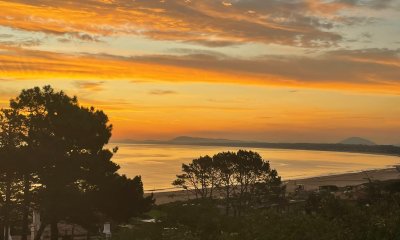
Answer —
357 141
365 146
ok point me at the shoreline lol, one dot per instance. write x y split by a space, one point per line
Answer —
310 184
380 150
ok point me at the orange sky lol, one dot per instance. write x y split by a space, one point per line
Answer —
288 70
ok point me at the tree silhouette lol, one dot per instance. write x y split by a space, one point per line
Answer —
11 143
225 165
243 179
250 169
62 148
199 176
115 198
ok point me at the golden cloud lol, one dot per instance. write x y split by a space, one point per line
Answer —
373 70
206 22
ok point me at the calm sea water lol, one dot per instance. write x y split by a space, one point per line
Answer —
158 164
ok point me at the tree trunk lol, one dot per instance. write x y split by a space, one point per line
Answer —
7 209
40 231
1 230
54 230
227 199
25 216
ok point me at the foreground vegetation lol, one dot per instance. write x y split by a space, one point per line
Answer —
242 179
239 197
321 216
53 160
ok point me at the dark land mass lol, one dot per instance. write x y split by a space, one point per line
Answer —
357 141
335 147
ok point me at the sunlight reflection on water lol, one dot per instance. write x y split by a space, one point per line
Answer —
158 164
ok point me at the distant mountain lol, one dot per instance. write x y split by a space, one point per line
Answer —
186 140
354 144
193 140
357 141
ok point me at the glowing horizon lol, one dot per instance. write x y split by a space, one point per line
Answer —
282 71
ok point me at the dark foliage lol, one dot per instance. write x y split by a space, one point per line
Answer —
322 217
53 158
243 179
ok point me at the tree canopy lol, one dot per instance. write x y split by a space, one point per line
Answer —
68 173
242 178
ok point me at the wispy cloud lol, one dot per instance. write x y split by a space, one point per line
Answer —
90 85
375 70
208 22
162 92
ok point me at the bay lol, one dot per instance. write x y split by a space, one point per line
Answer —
158 164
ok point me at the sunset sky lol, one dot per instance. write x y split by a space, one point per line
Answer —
271 70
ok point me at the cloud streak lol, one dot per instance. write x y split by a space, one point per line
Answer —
162 92
371 70
211 23
90 85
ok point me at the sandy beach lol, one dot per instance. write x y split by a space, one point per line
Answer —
340 180
345 179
